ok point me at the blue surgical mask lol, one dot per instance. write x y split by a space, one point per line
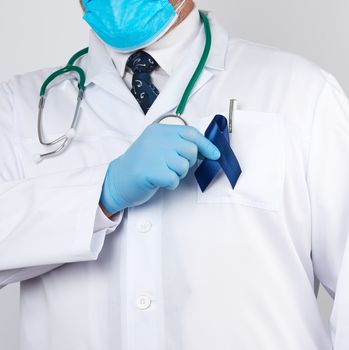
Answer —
129 25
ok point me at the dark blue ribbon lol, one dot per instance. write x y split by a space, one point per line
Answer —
217 132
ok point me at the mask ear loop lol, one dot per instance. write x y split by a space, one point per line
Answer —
179 8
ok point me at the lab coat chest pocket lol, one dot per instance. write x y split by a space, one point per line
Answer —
259 144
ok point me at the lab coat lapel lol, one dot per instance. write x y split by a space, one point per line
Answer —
114 84
170 96
102 72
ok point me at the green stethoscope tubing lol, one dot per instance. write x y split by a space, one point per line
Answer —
65 140
200 66
70 67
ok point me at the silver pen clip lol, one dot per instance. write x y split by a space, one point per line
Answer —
232 109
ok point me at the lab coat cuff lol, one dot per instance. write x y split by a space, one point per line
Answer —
102 222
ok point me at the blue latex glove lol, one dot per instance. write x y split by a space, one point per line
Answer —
159 158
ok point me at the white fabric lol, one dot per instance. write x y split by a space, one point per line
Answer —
225 269
167 52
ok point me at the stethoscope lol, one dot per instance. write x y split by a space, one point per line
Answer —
66 139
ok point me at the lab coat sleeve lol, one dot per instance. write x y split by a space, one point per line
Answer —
48 220
328 180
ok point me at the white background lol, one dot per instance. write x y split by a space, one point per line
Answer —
40 33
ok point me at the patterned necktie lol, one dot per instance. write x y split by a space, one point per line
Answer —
142 64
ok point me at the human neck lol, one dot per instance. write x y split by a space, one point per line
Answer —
185 12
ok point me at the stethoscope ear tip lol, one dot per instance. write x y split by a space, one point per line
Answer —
37 158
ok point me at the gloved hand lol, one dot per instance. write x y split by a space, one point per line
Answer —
159 158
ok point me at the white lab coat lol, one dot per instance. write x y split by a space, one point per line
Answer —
224 269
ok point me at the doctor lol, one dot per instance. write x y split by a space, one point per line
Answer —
115 244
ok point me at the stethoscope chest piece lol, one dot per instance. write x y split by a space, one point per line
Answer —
171 119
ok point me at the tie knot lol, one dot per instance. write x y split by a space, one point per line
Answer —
141 62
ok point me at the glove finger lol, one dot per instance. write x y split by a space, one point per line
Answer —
205 146
166 178
189 151
178 164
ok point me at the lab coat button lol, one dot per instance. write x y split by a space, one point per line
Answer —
143 302
144 226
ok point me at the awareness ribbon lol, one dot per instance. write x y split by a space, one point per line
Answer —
217 132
